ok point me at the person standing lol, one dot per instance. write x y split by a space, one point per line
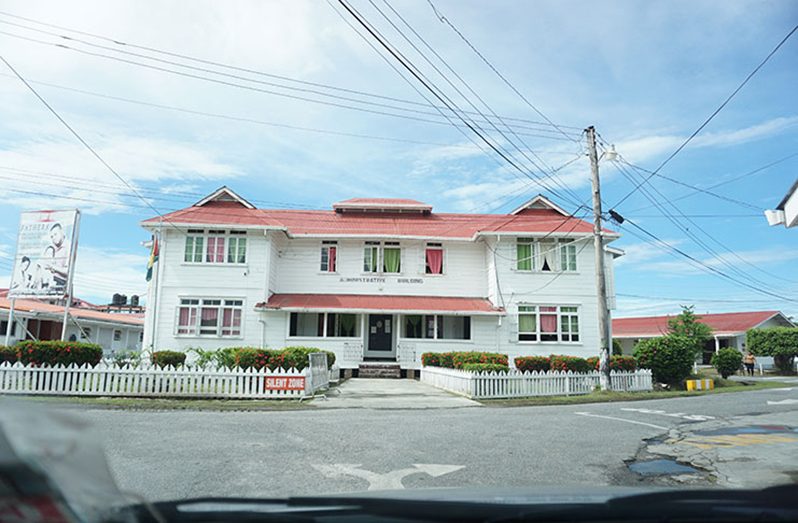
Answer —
749 361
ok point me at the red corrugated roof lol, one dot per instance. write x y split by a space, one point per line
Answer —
724 324
58 311
365 302
435 225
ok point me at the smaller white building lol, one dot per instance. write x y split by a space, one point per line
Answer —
786 212
35 320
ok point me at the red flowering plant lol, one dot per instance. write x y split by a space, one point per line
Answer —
568 363
431 359
168 358
670 358
51 353
618 363
533 363
461 358
9 354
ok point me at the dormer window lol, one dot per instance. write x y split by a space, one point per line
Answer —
215 247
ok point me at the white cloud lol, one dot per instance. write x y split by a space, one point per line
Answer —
636 253
760 258
101 272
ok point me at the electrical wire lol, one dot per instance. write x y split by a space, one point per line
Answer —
701 127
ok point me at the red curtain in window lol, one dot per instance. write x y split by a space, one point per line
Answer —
331 264
210 248
183 321
219 250
227 317
435 260
548 322
210 314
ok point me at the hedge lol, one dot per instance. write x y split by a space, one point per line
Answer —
461 358
168 358
617 348
9 354
568 363
485 367
727 361
288 358
779 342
50 353
670 358
533 363
618 363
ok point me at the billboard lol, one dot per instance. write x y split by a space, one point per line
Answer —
45 245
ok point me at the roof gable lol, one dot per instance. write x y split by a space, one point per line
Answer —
539 202
224 194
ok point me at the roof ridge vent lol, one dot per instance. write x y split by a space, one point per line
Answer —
382 205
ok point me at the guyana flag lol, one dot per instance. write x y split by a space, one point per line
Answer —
153 256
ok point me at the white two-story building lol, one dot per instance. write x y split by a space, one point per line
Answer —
378 279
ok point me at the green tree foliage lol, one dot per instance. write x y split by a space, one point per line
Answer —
617 349
686 325
779 342
670 358
727 361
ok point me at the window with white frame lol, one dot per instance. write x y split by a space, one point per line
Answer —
538 255
219 318
436 327
215 246
434 258
385 257
329 256
324 325
550 323
568 257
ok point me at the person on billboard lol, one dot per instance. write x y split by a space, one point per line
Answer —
54 261
24 279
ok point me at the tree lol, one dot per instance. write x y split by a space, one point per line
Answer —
727 361
670 358
686 325
779 342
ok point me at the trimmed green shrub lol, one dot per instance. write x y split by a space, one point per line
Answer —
727 361
258 358
568 363
52 353
461 358
297 357
431 359
485 367
617 348
9 354
168 358
670 358
779 342
533 363
619 363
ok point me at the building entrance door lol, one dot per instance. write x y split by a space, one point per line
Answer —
381 330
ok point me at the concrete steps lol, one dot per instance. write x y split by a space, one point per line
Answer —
379 370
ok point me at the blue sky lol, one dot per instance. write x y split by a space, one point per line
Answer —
645 75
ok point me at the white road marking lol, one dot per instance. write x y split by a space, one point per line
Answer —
388 481
682 415
783 402
621 419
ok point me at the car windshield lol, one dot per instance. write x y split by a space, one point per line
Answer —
452 250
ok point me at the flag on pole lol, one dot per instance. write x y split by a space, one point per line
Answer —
153 256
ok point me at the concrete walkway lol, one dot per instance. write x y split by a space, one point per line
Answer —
389 394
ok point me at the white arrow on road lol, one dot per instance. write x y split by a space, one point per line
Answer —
388 481
782 402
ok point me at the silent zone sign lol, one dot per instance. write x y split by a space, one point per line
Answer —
285 383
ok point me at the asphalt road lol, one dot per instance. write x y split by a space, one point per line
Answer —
179 454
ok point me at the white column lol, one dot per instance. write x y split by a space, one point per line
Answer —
717 344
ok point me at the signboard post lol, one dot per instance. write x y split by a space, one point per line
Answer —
44 262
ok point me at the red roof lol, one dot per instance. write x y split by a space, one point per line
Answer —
432 225
365 302
58 311
724 324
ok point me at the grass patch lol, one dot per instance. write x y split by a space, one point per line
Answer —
173 404
612 396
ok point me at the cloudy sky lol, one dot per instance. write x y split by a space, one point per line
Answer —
292 104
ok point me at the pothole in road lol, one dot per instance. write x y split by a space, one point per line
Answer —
661 467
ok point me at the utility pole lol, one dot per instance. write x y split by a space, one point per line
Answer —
601 282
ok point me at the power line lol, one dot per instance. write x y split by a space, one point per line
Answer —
725 182
668 159
683 300
119 42
400 58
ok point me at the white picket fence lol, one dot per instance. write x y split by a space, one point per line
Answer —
517 384
153 381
